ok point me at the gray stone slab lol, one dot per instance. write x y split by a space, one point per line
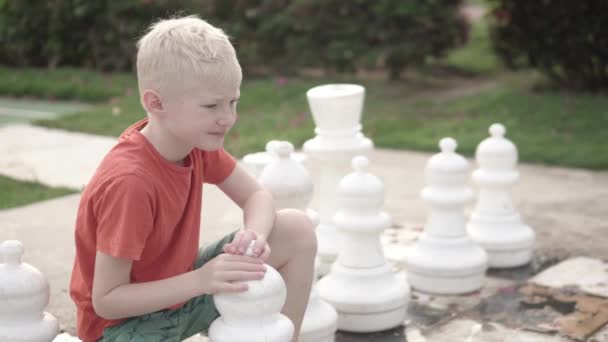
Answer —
600 336
588 274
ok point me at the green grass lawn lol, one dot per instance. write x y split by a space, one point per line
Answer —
16 193
550 127
64 84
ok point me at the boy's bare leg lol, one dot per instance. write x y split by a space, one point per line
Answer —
293 246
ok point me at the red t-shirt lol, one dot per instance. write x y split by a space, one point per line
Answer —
140 206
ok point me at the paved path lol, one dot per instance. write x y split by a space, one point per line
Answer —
51 157
23 111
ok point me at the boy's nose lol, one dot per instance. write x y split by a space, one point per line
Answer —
227 119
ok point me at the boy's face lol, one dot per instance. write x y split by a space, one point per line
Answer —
202 116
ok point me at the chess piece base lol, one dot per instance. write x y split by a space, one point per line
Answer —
367 299
45 329
446 265
275 329
320 322
371 322
507 241
509 258
438 284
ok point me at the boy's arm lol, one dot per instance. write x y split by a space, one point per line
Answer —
256 202
114 297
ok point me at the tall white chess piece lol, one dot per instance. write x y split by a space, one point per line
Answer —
291 187
336 110
24 293
253 315
361 285
494 223
445 259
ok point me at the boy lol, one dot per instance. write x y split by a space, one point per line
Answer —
138 273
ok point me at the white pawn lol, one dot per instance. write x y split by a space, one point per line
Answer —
445 260
256 162
361 285
494 223
253 315
291 187
286 178
24 293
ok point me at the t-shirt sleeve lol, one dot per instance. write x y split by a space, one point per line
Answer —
218 165
124 217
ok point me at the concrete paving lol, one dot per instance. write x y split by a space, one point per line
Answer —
51 157
566 207
25 110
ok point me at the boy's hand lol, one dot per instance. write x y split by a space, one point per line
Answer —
241 242
224 272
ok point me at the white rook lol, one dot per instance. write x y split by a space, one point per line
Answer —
494 223
253 315
336 110
24 293
445 260
361 285
291 186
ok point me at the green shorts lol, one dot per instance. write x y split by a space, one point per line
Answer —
172 325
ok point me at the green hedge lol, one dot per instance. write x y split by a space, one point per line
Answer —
276 35
567 40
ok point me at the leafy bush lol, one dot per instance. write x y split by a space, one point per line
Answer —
566 40
344 35
279 35
97 34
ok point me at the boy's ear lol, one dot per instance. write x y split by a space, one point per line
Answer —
152 102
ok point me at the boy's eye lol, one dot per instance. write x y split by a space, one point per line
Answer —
210 106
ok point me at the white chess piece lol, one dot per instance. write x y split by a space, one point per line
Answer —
24 293
336 110
291 187
257 161
494 223
361 285
445 259
253 315
286 179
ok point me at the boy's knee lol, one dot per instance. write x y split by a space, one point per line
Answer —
299 229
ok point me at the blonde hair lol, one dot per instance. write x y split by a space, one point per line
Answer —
177 51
